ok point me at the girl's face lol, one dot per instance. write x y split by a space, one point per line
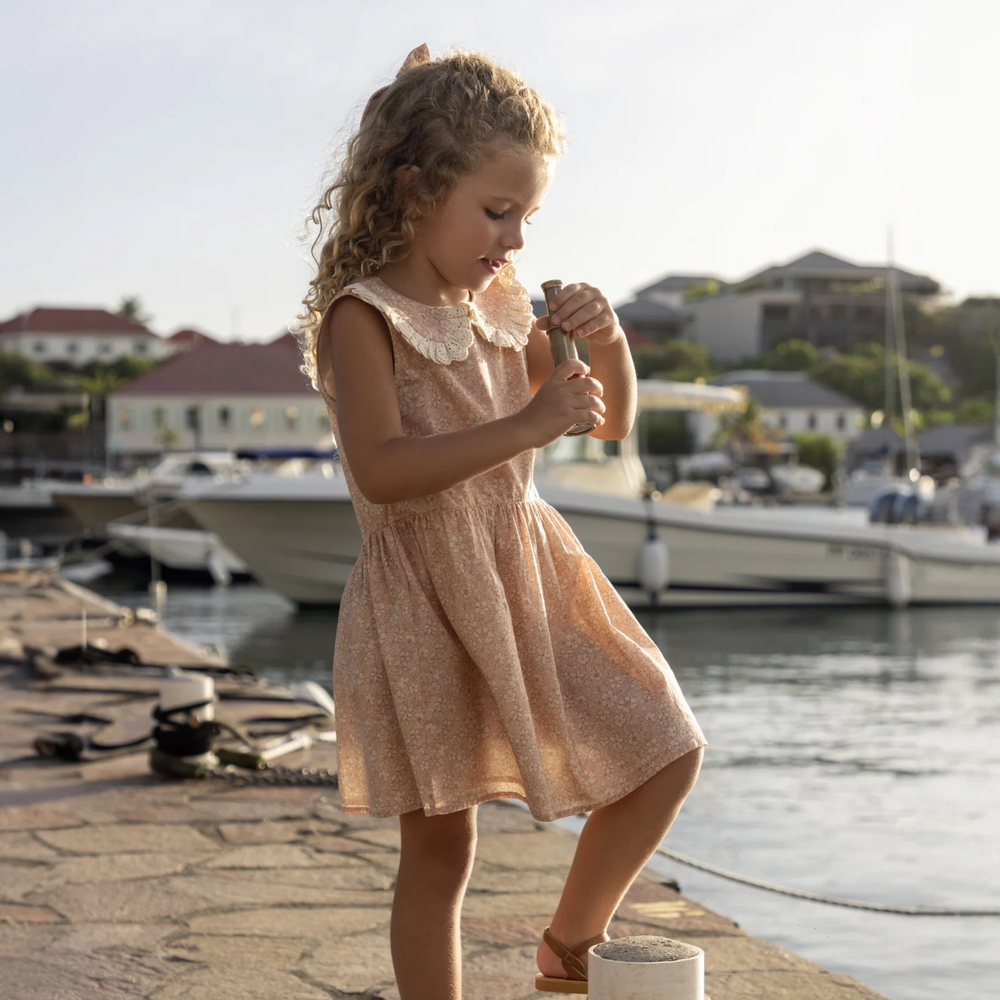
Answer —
463 243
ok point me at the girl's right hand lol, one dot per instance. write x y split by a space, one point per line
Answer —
567 397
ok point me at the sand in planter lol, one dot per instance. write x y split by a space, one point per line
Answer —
644 948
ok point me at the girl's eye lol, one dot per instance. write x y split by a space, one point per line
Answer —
495 216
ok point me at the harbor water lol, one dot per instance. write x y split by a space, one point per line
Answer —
852 752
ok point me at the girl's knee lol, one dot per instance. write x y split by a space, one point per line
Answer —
445 843
688 764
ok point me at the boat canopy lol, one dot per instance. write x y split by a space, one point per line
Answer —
656 394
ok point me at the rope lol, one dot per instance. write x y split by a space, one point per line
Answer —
910 911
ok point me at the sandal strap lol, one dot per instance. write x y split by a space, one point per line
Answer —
571 958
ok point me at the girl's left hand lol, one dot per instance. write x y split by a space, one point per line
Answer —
584 311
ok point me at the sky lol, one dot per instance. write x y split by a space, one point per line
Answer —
172 149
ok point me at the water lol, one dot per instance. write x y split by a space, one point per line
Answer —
854 753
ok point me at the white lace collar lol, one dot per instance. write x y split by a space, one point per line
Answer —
502 315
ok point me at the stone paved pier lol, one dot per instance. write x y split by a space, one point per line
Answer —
117 884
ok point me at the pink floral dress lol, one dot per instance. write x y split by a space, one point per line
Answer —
480 652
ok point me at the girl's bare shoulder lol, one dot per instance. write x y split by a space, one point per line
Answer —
352 340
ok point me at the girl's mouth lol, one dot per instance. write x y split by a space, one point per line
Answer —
491 265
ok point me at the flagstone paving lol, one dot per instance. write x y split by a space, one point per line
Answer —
118 885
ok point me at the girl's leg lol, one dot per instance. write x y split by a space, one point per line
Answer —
436 854
615 844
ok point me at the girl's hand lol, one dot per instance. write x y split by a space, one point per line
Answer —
584 311
568 396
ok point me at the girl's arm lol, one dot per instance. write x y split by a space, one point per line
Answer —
354 358
582 309
611 364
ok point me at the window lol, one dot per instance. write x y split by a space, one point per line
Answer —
783 422
258 418
192 418
864 313
225 418
815 312
125 419
103 348
812 421
291 418
38 347
322 419
72 347
159 417
140 347
772 311
838 312
841 422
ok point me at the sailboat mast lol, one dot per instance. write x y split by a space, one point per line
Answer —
899 331
996 396
889 404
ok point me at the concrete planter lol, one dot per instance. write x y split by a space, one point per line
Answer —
646 967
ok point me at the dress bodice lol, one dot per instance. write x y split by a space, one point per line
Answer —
455 367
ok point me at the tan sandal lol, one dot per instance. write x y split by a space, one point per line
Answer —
572 962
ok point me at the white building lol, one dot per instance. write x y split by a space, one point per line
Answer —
792 402
78 336
219 396
819 298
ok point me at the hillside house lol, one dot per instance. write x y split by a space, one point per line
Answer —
819 298
78 336
792 402
219 396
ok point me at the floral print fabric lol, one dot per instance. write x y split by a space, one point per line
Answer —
480 652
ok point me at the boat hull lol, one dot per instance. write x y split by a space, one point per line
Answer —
304 547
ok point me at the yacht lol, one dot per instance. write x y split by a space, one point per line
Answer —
297 533
146 496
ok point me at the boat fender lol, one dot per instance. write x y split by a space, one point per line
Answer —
217 567
881 508
898 582
906 508
654 565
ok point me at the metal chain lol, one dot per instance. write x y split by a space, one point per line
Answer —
273 775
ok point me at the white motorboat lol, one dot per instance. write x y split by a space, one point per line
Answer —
294 528
183 549
146 496
27 510
298 535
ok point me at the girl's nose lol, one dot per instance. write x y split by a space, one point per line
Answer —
514 238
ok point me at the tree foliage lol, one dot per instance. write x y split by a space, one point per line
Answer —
131 307
792 356
679 360
861 376
973 359
32 376
818 451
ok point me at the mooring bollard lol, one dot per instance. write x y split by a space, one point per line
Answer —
646 967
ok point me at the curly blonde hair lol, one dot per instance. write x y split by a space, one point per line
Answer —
445 116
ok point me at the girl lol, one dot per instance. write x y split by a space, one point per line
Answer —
480 652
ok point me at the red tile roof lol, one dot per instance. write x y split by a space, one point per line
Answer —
193 337
50 320
636 338
227 369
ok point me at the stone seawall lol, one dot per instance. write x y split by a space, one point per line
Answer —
115 883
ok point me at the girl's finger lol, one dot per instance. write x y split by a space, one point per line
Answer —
588 311
589 402
573 301
587 384
565 295
594 325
